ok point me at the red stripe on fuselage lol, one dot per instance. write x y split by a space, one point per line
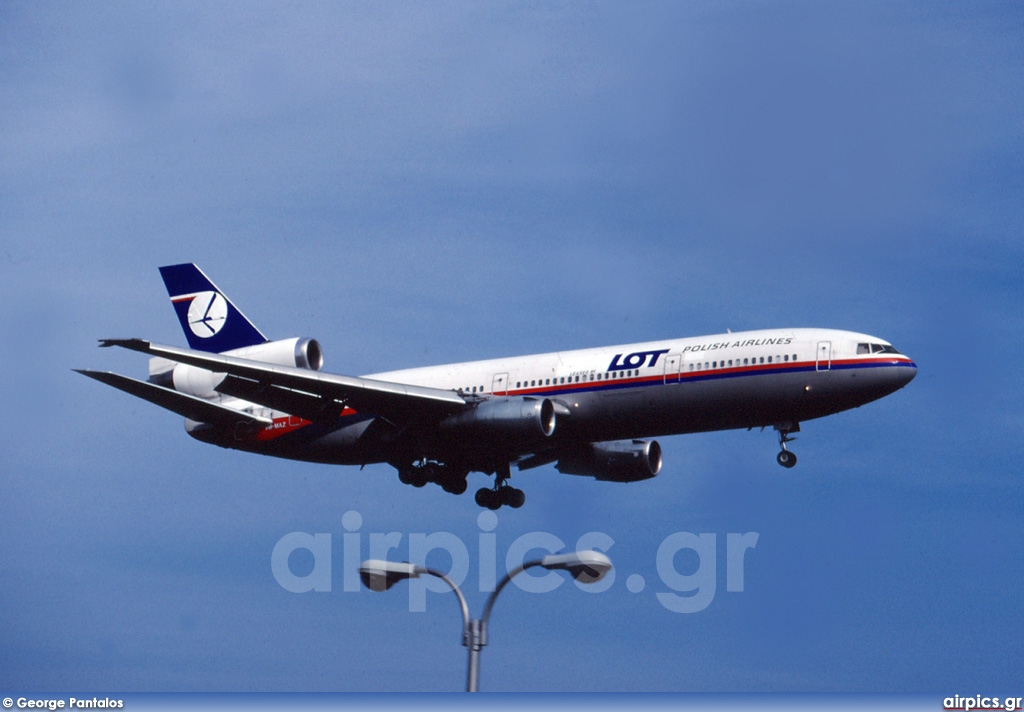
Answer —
660 378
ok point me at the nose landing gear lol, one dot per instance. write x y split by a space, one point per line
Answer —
785 457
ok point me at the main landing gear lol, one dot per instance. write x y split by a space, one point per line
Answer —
785 457
501 494
451 479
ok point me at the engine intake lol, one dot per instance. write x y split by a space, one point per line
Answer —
615 461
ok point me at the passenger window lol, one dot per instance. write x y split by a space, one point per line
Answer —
691 366
769 359
745 362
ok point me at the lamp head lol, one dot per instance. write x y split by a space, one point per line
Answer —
585 566
379 575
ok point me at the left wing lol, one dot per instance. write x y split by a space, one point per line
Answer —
309 394
183 404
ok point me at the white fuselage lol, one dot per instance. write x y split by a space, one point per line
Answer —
775 377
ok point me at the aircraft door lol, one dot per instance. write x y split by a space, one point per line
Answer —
672 362
499 384
824 356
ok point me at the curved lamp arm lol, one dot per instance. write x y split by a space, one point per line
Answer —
504 582
588 566
462 599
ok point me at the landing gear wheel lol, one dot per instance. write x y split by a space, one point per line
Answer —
514 498
487 498
786 458
412 475
455 485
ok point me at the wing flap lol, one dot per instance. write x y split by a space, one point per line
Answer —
305 405
183 404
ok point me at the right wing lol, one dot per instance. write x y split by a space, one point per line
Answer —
309 394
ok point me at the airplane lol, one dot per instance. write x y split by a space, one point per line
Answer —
590 412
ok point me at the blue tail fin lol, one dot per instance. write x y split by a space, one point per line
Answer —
210 321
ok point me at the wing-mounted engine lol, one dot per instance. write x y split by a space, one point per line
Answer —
615 461
519 419
298 352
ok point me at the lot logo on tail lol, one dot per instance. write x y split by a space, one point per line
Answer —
207 314
208 318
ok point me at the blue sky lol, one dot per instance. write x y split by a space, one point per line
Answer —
420 184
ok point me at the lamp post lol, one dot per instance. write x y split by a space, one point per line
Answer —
584 566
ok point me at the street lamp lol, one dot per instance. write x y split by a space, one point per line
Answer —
584 566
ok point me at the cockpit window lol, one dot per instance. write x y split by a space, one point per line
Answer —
876 349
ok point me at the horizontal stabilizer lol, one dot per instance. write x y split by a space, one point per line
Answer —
183 404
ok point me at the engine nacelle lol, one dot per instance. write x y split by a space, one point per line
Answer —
616 461
301 353
192 380
517 418
298 352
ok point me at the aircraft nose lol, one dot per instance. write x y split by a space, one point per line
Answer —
905 373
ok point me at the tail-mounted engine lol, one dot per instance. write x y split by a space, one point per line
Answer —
298 352
615 461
